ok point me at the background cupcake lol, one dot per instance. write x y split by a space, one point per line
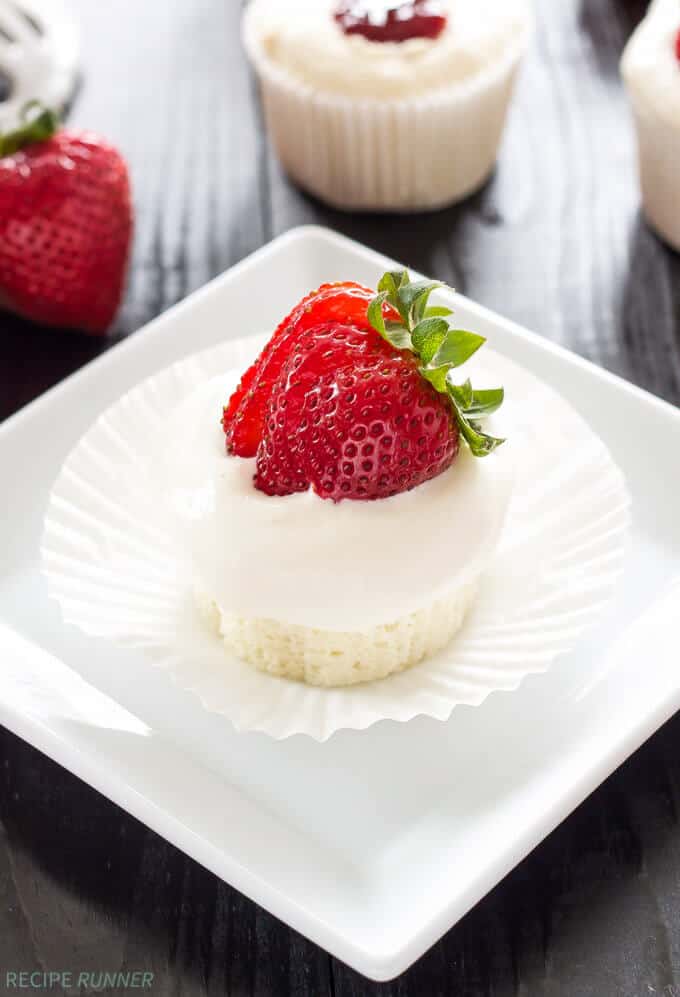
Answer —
651 71
387 105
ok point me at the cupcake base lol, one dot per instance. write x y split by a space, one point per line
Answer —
329 658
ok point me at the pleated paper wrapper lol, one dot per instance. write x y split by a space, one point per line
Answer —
404 154
114 568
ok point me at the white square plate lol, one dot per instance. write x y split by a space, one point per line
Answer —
374 843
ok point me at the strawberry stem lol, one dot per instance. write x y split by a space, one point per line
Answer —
35 127
425 331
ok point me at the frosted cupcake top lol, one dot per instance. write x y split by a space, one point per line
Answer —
308 40
651 61
303 560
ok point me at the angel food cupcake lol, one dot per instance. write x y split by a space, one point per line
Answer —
383 104
651 70
338 517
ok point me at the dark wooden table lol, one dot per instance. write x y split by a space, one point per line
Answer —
554 241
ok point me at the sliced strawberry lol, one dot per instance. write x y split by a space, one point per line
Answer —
251 374
244 416
354 396
353 418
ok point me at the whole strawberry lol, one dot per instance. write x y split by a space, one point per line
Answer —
65 225
355 395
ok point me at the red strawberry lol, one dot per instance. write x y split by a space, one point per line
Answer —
65 225
352 417
244 416
352 395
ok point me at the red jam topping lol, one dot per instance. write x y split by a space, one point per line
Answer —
385 21
677 45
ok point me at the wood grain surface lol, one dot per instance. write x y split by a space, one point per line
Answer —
556 242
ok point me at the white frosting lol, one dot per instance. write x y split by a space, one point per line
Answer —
302 38
650 66
304 560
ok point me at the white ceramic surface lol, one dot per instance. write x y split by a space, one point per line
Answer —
374 843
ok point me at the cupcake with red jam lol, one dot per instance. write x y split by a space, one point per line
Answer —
651 71
342 533
385 104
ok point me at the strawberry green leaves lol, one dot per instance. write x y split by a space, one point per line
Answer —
428 338
37 125
376 317
470 406
425 330
485 402
457 347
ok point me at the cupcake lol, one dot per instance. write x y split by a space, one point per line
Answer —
651 71
338 518
387 105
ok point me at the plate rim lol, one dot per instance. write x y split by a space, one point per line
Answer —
375 963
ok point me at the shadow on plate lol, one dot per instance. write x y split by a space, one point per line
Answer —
92 881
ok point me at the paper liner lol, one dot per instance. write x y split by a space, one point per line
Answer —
409 154
112 566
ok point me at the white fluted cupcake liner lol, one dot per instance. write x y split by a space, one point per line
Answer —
410 154
112 565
